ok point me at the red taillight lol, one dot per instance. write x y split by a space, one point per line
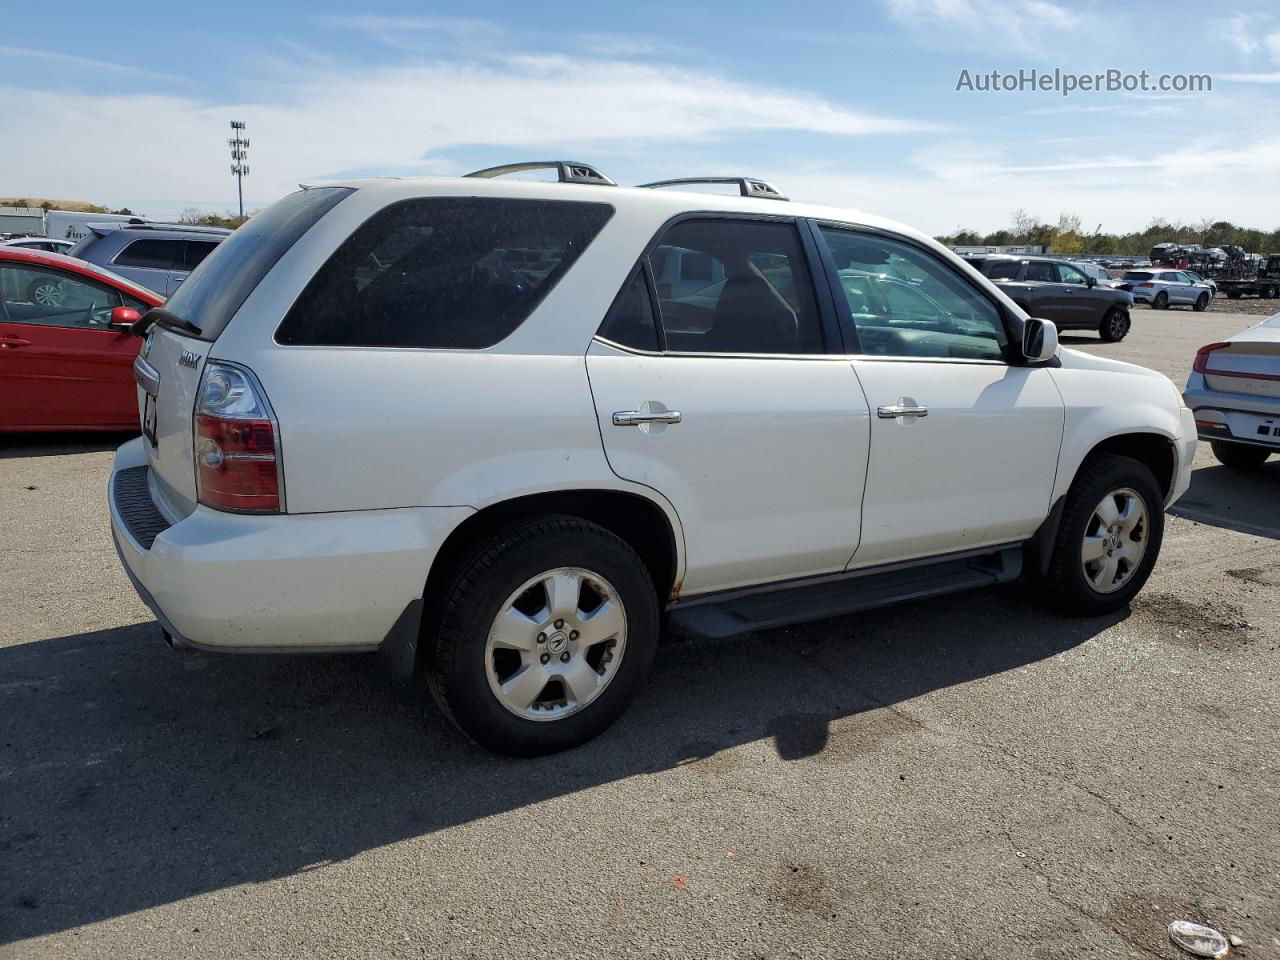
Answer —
237 442
1146 284
236 467
1202 356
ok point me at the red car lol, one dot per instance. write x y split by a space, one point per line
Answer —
66 353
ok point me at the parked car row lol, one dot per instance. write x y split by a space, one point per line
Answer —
66 353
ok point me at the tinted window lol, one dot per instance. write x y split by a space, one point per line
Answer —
1169 277
1136 275
213 293
1069 274
748 291
1004 270
630 321
195 252
54 298
446 272
903 302
156 254
1038 270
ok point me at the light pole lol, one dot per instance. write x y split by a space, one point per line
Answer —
239 144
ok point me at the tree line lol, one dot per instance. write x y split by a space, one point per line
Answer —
1068 236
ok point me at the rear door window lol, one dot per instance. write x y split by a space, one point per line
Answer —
1041 272
1004 270
152 254
194 252
741 286
442 272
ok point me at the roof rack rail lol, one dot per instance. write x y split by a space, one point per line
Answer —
747 186
568 171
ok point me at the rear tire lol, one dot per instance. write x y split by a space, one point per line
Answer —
1238 456
1202 303
1114 326
1098 564
1161 302
1270 293
511 590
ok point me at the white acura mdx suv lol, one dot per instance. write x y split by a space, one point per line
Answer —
504 429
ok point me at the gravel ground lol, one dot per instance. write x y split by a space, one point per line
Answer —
966 777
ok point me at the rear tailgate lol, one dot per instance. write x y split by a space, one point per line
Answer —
176 360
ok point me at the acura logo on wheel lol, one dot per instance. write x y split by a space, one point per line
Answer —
557 642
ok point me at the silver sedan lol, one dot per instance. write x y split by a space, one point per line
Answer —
1234 392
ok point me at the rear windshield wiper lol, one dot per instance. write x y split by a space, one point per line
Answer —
165 319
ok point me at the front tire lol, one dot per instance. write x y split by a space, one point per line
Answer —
1238 456
545 636
1109 538
1161 302
1202 303
45 293
1114 326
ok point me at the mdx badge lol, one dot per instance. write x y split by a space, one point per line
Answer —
189 359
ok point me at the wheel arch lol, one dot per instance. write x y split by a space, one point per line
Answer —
646 525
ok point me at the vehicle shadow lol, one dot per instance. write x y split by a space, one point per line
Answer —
1241 500
134 776
14 445
1071 340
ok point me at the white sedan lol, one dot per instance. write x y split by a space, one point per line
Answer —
1164 288
1234 391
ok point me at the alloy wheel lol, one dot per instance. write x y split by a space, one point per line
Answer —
555 644
1115 540
47 294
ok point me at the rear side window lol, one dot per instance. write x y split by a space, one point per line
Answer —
1004 270
155 254
442 272
215 290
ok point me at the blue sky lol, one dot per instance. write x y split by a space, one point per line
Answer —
852 103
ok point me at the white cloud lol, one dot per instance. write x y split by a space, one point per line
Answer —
1252 77
974 184
325 119
71 60
1027 26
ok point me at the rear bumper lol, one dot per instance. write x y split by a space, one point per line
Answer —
332 582
1233 417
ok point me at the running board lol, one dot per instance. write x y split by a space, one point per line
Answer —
742 611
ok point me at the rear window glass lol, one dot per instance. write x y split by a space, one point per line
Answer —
442 272
1137 275
225 278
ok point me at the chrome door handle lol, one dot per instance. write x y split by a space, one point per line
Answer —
633 418
900 410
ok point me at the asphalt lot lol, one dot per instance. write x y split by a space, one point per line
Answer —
966 777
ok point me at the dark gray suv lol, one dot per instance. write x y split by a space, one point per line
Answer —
1057 290
157 255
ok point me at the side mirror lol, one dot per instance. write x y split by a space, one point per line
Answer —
1039 340
122 318
1091 281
